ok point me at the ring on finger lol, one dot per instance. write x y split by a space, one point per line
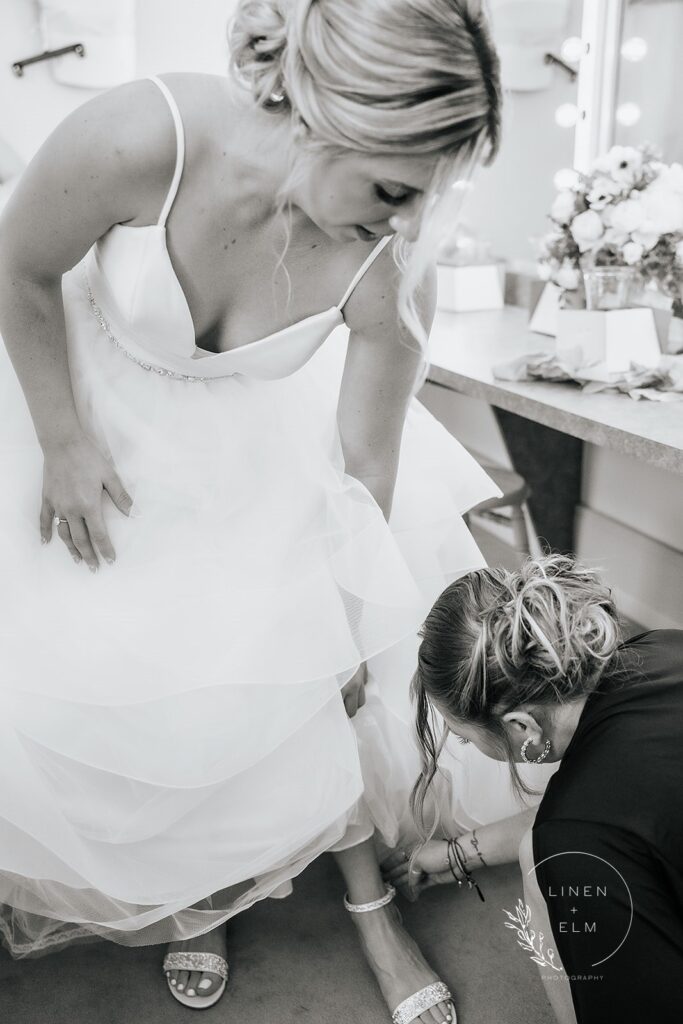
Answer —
59 520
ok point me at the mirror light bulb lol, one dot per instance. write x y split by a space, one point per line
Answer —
572 49
634 49
566 115
628 114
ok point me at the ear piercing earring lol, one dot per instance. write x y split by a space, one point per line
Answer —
535 760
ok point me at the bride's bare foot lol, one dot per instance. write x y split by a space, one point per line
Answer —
397 963
199 984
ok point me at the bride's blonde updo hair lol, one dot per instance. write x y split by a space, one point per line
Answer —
495 641
379 77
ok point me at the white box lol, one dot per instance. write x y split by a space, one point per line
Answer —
609 340
463 289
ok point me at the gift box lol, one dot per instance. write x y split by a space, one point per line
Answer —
464 288
610 340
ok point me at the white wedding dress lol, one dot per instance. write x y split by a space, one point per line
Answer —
172 728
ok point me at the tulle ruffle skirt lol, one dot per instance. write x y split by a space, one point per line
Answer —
173 743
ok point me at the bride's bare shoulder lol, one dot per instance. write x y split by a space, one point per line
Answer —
139 112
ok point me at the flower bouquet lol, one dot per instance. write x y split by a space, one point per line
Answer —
626 212
617 241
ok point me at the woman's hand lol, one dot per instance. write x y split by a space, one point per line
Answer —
430 867
353 692
75 474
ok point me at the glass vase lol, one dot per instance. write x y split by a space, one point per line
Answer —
608 287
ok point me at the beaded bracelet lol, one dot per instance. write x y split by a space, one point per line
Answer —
451 858
456 853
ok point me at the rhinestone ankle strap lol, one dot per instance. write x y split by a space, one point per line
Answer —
365 908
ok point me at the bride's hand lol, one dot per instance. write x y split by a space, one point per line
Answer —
75 475
353 693
430 867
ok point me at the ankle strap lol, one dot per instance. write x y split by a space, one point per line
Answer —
365 908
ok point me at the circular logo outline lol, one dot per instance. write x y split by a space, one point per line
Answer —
582 853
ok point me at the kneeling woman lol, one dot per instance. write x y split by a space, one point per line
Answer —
530 666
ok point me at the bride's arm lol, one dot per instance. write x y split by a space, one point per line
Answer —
96 169
382 365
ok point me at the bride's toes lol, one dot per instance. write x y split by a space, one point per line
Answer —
182 980
208 984
444 1013
192 983
172 978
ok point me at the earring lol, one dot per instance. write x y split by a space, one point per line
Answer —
535 760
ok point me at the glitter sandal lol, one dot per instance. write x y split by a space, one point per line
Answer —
411 1008
209 962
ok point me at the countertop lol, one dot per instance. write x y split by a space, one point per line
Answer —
465 346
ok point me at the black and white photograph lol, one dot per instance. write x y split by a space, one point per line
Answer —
341 532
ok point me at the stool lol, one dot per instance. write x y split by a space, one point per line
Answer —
515 494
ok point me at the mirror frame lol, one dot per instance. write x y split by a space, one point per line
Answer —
601 30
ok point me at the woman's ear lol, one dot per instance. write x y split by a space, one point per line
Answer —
520 726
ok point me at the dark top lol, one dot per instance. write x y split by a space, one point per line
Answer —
611 824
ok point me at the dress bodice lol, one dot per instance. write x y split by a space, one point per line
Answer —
140 304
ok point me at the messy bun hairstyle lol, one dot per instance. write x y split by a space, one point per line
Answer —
495 641
379 77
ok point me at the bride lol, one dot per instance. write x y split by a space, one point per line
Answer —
265 511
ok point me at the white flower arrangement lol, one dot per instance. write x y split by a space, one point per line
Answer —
627 211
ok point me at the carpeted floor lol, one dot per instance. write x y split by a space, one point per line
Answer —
296 961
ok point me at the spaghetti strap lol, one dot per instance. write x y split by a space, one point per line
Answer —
180 149
363 269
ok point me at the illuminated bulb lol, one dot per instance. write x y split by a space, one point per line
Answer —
566 178
634 49
567 114
572 49
628 114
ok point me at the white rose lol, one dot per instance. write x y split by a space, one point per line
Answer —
586 229
627 216
671 178
617 238
564 207
663 209
648 239
632 252
567 277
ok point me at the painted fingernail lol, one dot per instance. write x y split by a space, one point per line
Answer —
190 992
205 983
110 561
43 540
77 559
93 568
173 981
180 988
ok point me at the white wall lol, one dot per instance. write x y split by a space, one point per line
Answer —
510 203
172 35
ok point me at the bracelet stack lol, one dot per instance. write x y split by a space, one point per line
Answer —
458 868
